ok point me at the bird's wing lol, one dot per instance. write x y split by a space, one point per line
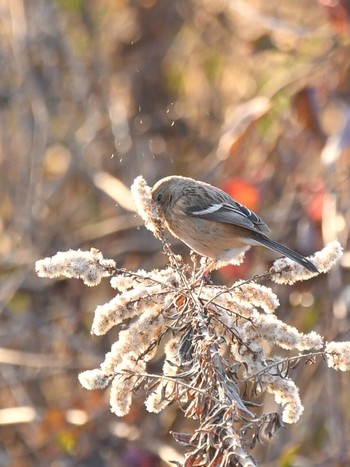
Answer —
230 213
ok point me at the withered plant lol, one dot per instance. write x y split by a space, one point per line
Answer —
220 344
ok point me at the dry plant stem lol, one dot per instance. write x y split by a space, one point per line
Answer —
309 357
125 272
215 345
173 379
208 358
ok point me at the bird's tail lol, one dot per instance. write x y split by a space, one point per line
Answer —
298 258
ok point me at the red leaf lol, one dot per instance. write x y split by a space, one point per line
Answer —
244 192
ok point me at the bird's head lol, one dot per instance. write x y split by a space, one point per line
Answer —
166 191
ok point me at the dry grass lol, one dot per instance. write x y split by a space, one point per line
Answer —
223 92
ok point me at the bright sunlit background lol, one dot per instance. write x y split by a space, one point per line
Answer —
249 95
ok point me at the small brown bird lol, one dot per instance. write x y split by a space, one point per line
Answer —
212 223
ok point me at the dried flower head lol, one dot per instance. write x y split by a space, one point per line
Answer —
288 272
145 207
218 341
90 266
338 355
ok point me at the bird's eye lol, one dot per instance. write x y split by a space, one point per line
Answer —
159 197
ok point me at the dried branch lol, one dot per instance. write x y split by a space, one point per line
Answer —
216 360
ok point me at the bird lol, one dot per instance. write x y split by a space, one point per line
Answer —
213 224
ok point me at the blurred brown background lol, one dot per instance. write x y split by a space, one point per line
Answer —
252 96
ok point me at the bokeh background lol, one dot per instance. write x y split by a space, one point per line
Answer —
249 95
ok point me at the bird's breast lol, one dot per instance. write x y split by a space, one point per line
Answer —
215 240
